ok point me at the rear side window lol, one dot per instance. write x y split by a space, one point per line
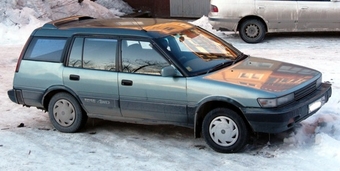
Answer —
45 49
93 53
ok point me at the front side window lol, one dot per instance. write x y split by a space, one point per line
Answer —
45 49
93 53
142 58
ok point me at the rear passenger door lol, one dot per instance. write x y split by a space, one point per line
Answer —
280 14
143 92
91 73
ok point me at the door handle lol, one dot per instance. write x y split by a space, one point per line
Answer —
74 77
127 82
304 8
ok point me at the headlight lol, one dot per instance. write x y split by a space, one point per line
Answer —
277 101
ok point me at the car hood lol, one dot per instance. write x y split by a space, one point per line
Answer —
265 74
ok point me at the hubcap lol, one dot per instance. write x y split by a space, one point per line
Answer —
252 30
223 131
63 112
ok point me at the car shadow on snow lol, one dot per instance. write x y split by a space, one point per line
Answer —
98 124
157 133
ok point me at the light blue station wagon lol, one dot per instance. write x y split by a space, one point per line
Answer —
158 71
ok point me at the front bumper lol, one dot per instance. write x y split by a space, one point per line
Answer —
275 120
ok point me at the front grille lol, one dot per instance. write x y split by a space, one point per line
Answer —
299 94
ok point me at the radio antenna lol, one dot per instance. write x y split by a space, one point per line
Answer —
139 25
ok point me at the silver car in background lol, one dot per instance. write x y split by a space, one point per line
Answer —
254 18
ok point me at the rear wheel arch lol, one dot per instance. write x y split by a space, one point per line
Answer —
51 91
207 106
249 18
66 113
252 29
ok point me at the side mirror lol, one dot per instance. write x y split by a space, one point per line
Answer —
168 71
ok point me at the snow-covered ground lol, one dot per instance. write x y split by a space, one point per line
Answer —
29 142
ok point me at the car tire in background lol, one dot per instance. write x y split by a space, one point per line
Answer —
225 131
65 113
252 30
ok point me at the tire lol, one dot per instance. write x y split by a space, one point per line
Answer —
65 113
225 131
252 31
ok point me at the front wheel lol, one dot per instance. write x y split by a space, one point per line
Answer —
252 31
65 113
224 130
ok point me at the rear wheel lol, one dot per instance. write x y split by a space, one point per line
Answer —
224 130
252 31
65 113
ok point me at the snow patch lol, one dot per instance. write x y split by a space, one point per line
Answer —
18 18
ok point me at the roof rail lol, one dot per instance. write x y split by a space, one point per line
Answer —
56 23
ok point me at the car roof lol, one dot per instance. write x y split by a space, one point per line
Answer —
144 27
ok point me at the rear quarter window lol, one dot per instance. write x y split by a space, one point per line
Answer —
45 49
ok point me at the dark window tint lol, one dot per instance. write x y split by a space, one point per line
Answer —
141 57
93 53
45 49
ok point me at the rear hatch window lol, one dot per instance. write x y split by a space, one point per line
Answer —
45 49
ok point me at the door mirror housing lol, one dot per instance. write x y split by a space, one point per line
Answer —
169 71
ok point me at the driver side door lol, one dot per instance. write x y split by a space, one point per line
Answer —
318 15
143 92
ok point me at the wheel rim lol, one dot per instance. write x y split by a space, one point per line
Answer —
252 30
64 113
223 131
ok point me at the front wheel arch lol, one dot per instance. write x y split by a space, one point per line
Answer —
225 131
207 106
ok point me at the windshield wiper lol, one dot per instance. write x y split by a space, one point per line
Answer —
240 57
220 66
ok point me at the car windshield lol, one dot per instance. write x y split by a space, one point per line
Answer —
198 51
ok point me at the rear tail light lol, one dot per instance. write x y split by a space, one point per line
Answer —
22 55
18 64
213 8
